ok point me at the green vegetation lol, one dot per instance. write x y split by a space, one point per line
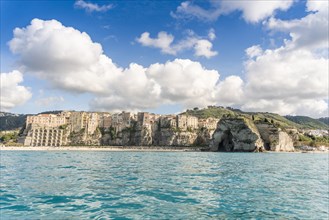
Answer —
307 122
219 112
312 141
112 133
176 130
324 120
215 112
8 137
63 127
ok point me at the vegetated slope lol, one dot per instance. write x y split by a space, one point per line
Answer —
324 120
218 112
211 111
308 122
9 121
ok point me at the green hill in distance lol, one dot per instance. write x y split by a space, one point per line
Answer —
308 122
324 120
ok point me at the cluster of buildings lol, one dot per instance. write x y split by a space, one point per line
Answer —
54 129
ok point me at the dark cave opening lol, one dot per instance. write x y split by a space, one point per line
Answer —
226 145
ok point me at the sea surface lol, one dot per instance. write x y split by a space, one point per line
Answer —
163 185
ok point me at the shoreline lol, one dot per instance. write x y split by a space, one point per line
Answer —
104 148
129 149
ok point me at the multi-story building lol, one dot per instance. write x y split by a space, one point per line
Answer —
48 120
84 121
45 130
78 121
168 121
148 120
105 120
185 122
45 136
209 123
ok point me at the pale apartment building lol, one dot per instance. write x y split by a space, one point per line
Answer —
185 121
86 121
45 130
45 136
105 120
168 121
48 120
209 123
148 120
122 120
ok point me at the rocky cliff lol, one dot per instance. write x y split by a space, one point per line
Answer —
243 134
236 134
274 138
233 134
151 137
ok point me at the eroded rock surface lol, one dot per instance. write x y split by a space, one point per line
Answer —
236 134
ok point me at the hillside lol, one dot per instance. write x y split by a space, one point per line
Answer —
218 112
9 121
324 120
307 122
212 111
284 122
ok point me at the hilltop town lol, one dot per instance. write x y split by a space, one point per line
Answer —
213 128
100 128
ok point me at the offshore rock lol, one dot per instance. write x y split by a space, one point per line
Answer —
236 134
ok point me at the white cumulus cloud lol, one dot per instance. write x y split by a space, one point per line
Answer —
91 7
136 87
165 42
310 32
252 11
290 79
12 93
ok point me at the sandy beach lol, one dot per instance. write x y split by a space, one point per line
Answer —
103 148
124 148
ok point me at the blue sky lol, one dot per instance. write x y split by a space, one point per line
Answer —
165 56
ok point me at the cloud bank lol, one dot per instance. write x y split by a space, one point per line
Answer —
290 79
135 87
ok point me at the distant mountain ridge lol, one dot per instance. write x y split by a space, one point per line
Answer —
309 122
11 121
324 120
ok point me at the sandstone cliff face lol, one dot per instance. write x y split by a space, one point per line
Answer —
82 138
231 134
148 137
274 138
236 134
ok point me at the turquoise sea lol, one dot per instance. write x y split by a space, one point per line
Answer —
163 185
